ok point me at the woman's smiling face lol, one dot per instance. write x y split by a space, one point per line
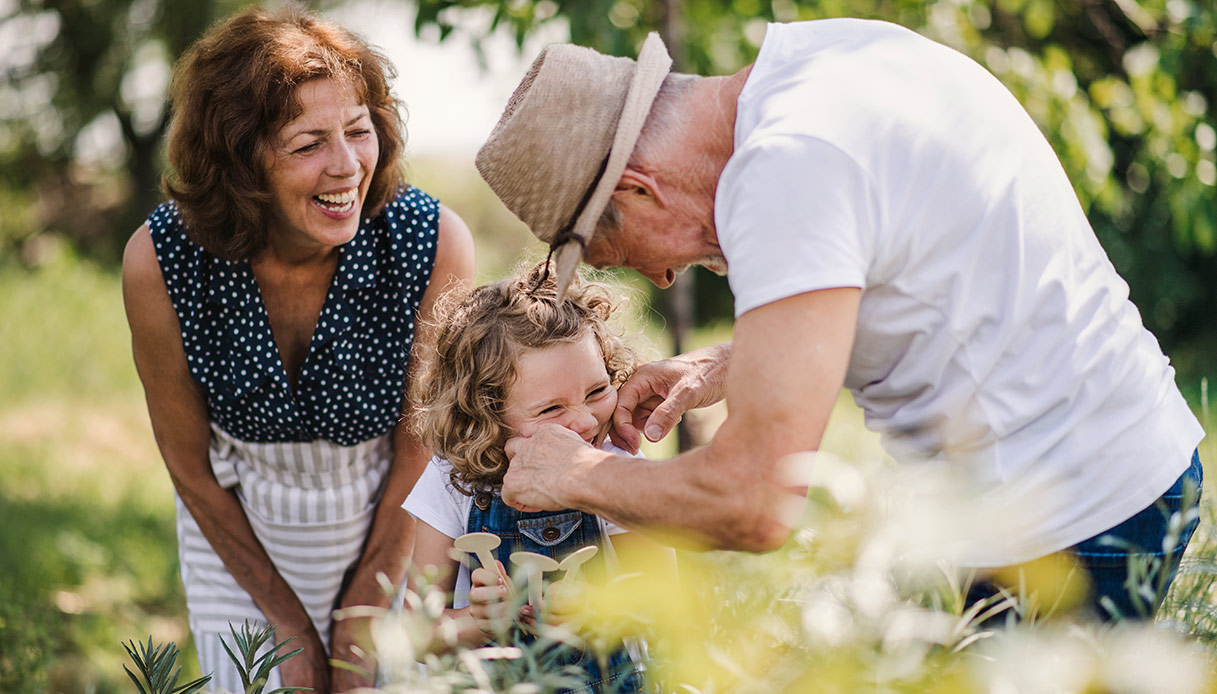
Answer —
565 384
321 169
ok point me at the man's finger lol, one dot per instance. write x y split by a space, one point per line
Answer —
624 433
665 416
509 498
630 393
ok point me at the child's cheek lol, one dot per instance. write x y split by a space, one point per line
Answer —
525 429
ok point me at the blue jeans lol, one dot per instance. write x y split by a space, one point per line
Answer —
556 534
1128 568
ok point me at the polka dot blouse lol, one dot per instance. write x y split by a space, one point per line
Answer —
353 377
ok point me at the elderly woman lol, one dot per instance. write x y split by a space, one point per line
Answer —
272 304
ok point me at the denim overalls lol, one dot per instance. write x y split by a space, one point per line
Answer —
554 534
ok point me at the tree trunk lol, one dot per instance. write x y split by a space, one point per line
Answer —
678 301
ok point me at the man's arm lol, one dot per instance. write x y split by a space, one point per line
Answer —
787 366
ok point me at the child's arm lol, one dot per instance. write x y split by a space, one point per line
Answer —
487 610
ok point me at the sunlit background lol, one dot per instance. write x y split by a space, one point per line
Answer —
1124 90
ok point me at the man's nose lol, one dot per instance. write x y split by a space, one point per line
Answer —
662 278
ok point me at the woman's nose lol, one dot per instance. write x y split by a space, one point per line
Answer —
343 161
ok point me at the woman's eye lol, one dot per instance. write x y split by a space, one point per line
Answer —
359 134
307 148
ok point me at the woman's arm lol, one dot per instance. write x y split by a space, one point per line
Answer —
178 411
389 541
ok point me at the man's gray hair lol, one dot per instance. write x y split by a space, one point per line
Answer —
665 119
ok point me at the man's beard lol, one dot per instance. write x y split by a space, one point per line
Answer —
714 263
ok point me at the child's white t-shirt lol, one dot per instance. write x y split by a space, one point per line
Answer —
437 503
993 330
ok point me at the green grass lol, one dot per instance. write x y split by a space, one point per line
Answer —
87 541
87 545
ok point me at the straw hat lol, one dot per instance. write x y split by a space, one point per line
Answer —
563 141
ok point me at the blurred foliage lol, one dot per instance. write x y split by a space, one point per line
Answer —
87 547
87 542
860 599
83 115
1122 89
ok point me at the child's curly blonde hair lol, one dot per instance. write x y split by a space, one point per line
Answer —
469 364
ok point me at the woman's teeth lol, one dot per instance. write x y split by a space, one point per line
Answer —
338 202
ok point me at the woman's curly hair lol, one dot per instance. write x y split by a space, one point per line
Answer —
234 89
469 363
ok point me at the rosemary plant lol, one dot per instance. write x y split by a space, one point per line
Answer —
158 667
254 669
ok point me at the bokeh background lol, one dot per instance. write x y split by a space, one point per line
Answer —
1123 89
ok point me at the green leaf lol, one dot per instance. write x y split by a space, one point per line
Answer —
254 669
138 686
159 669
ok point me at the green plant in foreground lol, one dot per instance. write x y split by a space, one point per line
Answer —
159 669
858 600
254 669
158 664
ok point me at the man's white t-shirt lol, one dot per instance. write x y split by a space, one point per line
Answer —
992 329
437 503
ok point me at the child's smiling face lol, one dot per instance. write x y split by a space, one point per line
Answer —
565 384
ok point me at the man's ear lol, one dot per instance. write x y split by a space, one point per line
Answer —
635 186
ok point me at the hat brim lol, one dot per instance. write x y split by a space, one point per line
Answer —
653 66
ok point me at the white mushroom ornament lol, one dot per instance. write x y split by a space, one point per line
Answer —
482 545
534 565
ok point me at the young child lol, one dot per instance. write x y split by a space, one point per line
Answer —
504 360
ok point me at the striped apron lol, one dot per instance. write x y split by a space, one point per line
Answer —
310 505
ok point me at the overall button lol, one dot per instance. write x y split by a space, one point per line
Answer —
550 533
482 500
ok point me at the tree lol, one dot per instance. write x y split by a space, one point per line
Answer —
83 116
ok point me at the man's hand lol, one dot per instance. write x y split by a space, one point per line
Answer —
653 400
539 465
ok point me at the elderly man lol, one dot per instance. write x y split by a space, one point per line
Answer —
889 219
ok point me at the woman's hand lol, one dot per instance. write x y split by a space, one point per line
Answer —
346 633
308 668
653 400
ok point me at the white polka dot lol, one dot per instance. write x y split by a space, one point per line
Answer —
371 335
